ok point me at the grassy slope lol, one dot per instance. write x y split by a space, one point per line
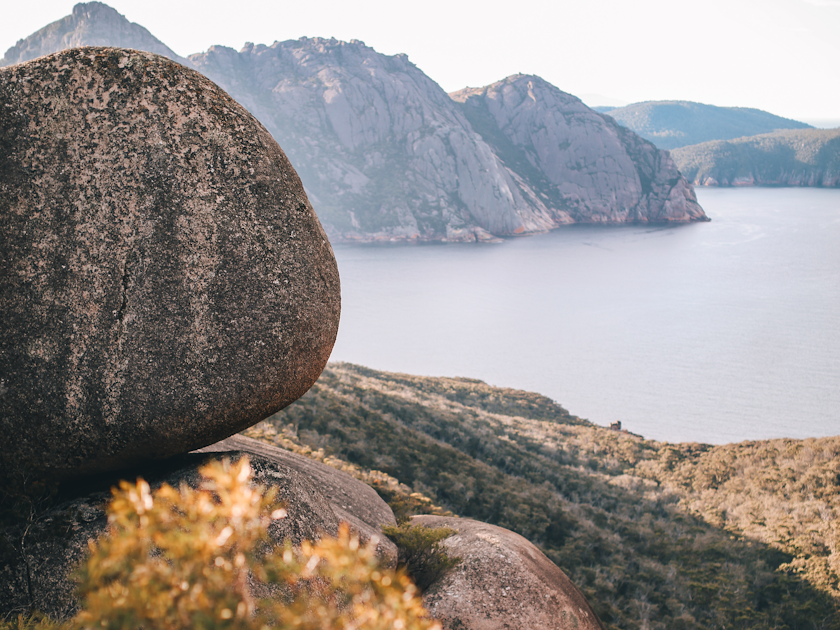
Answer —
656 535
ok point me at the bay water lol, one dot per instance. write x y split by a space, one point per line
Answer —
710 332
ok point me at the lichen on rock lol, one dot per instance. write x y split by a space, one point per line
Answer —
164 281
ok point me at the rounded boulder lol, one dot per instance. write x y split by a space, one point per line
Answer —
164 281
503 582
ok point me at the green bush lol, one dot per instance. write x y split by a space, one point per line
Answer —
420 552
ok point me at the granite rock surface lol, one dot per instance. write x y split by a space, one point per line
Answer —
502 582
164 281
353 501
584 166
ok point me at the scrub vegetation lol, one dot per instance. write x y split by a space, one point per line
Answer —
656 535
199 559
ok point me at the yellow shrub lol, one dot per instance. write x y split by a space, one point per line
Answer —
193 559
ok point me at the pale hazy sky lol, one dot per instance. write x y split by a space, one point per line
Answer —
779 55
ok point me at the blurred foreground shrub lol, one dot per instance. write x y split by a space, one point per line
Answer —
196 559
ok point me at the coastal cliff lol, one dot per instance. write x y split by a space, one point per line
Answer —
586 168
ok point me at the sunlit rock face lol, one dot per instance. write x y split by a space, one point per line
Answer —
585 167
382 149
503 582
164 281
387 154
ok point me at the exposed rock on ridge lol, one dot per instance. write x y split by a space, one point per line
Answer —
353 501
90 24
503 583
37 558
586 168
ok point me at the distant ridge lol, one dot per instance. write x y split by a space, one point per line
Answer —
385 154
90 24
674 124
806 157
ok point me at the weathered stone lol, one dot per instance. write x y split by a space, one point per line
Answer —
353 501
37 557
585 167
503 582
164 282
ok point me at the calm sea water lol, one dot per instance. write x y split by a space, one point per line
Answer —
713 332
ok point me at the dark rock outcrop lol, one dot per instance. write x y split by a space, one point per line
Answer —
810 157
37 557
502 582
164 282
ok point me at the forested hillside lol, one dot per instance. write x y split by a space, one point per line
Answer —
674 124
656 535
808 157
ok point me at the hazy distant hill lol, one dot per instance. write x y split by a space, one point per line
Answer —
90 24
673 124
808 157
385 153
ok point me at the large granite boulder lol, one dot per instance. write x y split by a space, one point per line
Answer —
502 582
38 555
164 281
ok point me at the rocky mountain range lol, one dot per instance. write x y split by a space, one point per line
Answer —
806 157
674 124
385 153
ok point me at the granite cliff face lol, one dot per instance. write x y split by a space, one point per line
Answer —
385 153
382 150
585 167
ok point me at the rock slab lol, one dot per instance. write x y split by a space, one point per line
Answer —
503 582
353 501
164 281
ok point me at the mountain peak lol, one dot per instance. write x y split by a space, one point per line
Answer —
89 24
